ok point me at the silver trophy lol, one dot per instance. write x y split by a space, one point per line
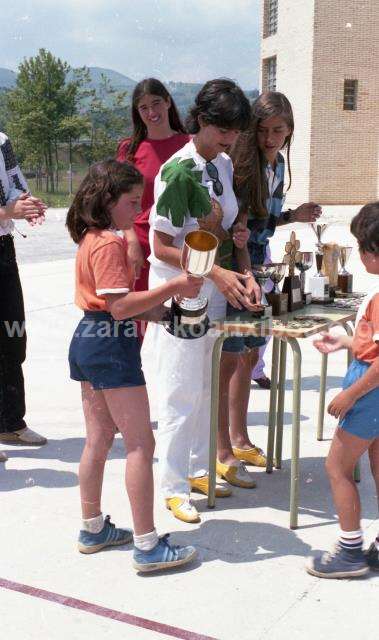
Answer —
262 273
276 298
305 263
188 317
319 230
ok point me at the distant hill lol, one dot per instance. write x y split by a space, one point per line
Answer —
182 92
7 78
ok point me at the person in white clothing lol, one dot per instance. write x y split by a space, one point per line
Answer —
194 189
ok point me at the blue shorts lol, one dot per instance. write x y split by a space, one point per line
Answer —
240 343
363 418
105 352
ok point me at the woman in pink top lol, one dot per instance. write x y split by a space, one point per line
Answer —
157 134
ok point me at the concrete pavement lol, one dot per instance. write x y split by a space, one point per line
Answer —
249 581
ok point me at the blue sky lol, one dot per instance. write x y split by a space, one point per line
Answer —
188 40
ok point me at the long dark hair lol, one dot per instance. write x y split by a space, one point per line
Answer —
249 162
150 86
222 103
104 183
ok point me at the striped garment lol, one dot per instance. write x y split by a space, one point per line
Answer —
12 182
262 229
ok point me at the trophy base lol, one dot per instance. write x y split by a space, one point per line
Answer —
292 287
307 298
278 302
188 319
345 282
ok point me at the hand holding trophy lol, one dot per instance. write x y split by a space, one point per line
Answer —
188 317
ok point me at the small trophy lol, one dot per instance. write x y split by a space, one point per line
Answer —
291 284
188 316
319 284
345 279
277 299
262 273
303 265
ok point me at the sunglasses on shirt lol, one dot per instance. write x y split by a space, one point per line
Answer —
213 174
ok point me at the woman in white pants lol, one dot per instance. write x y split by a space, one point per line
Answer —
194 189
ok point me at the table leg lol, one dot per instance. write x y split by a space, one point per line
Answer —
349 331
294 494
280 411
321 400
215 383
272 410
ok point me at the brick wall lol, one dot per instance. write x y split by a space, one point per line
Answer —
345 144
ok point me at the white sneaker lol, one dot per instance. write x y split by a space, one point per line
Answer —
23 436
3 456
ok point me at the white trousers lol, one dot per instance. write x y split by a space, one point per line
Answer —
182 383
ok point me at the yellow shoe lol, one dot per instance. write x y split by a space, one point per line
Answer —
236 475
254 456
201 485
182 509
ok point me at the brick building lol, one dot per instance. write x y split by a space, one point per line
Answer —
324 55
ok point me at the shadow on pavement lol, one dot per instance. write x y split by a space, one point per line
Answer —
15 479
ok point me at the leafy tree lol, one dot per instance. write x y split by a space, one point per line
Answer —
44 111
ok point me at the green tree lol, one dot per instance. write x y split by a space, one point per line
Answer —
44 111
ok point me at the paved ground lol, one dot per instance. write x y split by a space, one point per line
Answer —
249 581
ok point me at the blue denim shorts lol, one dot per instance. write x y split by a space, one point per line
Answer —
105 352
362 419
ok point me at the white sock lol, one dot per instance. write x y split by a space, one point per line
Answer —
94 525
351 539
146 541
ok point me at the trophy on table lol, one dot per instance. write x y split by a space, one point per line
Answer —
277 299
291 284
345 279
303 265
319 284
262 273
188 316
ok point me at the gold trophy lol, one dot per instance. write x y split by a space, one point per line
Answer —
188 316
291 284
345 279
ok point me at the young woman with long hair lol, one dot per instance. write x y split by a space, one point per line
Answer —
259 173
157 133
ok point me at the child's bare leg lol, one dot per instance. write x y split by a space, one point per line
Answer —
239 398
129 408
345 451
228 365
373 453
100 433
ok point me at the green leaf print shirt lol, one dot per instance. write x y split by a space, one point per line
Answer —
182 195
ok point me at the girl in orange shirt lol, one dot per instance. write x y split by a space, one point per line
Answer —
104 356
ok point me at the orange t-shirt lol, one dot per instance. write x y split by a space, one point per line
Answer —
366 336
101 268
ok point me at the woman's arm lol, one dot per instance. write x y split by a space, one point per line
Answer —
134 252
164 249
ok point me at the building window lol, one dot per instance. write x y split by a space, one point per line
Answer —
269 74
350 94
270 17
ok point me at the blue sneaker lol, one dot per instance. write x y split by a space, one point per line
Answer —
340 563
372 557
162 556
109 536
